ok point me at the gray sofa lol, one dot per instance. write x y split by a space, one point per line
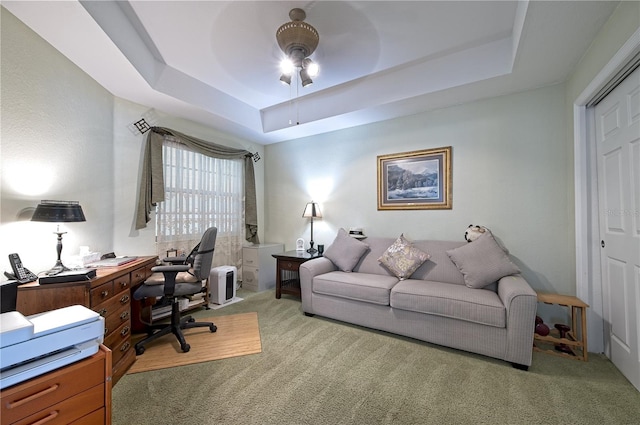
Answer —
434 304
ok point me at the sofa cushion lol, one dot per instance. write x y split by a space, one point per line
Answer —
345 251
402 258
366 287
454 301
482 261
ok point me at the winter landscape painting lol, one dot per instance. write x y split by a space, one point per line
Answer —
415 180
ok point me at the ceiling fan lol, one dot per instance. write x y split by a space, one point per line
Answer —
298 40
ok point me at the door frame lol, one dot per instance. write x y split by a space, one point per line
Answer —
588 278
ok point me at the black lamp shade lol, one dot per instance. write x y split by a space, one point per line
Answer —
312 209
58 212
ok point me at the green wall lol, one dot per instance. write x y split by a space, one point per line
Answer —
509 158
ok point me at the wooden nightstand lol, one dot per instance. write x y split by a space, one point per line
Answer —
288 271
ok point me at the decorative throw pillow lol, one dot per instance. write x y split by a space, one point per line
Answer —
345 251
402 258
482 261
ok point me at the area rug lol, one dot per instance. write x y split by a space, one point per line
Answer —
237 335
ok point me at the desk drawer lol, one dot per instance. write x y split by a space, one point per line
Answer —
119 341
114 304
122 282
51 389
101 293
70 409
122 366
95 417
289 265
140 275
116 319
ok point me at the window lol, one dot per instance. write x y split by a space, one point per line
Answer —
200 192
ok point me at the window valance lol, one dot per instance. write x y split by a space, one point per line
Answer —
152 180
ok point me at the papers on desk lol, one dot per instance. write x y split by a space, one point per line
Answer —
112 262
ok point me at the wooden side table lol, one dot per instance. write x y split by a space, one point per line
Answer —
288 271
576 338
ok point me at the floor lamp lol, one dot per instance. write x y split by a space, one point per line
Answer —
312 210
58 212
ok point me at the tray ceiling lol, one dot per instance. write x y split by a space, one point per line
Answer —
216 62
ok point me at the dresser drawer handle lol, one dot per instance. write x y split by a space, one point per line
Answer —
51 416
123 284
125 346
103 312
124 299
106 330
104 294
32 397
124 315
124 331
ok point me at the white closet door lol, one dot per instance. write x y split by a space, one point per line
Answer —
618 153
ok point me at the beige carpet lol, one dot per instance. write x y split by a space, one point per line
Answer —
237 335
316 371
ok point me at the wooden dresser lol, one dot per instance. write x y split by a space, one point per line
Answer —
79 393
109 294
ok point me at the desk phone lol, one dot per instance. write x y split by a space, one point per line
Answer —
20 272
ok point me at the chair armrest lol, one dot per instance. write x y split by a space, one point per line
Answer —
170 273
174 268
308 270
175 260
521 303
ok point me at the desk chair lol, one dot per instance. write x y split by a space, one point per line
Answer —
183 277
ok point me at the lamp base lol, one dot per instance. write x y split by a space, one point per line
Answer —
312 250
57 269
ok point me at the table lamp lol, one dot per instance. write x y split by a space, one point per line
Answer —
312 210
58 212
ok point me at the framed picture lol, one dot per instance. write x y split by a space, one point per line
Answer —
418 180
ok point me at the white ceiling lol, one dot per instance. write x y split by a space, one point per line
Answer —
216 62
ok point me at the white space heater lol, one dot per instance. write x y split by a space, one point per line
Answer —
222 284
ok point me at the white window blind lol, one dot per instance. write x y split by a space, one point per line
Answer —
200 192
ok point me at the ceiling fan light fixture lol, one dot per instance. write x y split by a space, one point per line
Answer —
298 40
312 68
287 66
285 79
305 79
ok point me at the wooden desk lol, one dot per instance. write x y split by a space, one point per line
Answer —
288 271
76 393
109 294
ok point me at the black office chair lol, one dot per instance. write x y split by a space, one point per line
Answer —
183 277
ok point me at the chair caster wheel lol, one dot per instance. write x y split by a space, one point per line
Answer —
213 328
185 348
139 351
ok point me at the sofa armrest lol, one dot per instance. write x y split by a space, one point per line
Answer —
308 270
521 303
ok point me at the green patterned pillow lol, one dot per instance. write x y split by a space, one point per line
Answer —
402 258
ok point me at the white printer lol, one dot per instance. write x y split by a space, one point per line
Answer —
33 345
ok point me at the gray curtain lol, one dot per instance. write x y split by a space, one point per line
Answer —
152 180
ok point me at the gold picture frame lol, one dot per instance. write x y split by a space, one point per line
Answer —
417 180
